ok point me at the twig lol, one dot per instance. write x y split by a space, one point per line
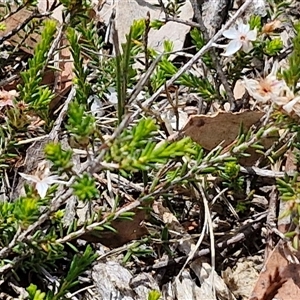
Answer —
185 22
200 239
8 80
144 79
265 173
211 237
96 164
270 223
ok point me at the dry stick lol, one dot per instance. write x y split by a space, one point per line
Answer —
202 51
96 165
8 80
188 23
53 135
12 12
214 57
194 250
211 237
265 173
145 77
271 219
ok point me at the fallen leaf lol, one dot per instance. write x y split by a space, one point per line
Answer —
280 277
210 131
127 230
223 127
15 20
63 77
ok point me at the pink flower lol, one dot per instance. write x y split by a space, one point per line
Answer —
269 89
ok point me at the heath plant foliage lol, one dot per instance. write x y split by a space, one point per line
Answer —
129 139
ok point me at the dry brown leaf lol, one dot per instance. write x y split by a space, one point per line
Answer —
271 26
280 277
127 230
223 127
12 22
210 131
62 78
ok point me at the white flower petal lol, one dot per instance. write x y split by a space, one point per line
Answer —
243 28
251 35
231 33
30 177
42 188
247 46
289 107
274 70
53 179
280 101
233 47
251 85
